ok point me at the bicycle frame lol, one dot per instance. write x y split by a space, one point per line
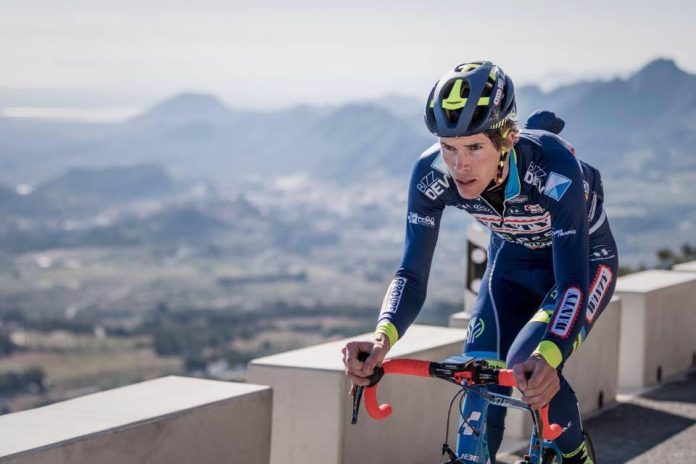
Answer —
472 445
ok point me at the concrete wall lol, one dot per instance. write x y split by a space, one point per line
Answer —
312 409
685 267
658 314
171 420
592 371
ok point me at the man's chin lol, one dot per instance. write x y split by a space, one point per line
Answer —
468 194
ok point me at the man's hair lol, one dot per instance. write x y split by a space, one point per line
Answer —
499 135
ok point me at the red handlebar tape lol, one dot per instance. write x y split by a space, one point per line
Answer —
407 367
549 431
505 378
393 366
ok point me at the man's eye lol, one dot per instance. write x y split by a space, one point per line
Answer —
475 147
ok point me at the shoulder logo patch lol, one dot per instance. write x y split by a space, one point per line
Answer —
556 186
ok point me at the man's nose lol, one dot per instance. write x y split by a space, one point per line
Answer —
461 162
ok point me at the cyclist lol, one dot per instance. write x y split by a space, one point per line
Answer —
552 260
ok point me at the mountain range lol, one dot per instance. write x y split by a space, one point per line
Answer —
623 126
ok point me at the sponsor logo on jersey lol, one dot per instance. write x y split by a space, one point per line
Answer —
474 329
533 208
535 176
601 252
567 312
516 225
470 458
415 218
597 290
513 210
564 233
556 186
480 207
586 188
534 242
518 199
432 185
393 296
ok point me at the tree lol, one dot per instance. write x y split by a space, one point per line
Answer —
6 345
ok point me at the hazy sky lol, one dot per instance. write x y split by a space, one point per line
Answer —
272 53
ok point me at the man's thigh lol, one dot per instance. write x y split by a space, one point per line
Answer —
503 307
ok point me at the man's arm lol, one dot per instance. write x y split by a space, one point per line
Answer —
407 291
565 196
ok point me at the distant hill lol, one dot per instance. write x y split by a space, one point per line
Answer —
84 191
110 185
623 126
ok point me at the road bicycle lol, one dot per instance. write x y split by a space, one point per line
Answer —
473 376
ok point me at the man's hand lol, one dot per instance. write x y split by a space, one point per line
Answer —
360 372
543 382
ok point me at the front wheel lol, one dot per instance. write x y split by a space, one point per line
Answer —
551 457
589 445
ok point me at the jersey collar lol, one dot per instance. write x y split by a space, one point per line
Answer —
512 189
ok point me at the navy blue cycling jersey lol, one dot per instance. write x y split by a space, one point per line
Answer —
553 203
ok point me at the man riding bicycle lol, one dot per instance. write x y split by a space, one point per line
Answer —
552 259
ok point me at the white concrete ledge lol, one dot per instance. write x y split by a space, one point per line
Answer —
168 420
689 266
312 409
658 317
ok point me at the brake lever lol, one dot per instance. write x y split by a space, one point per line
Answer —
358 391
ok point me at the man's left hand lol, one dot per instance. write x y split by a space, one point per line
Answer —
537 381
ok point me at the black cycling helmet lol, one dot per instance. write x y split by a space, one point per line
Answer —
472 98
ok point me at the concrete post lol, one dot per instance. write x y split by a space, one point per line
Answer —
658 316
312 409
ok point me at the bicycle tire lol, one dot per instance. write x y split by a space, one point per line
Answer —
590 446
550 457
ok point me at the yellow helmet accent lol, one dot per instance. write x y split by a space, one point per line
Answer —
454 100
493 74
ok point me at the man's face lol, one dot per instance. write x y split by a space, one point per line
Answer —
472 161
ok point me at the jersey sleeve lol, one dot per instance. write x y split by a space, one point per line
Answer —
564 193
407 291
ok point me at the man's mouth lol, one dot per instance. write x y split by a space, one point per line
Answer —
465 182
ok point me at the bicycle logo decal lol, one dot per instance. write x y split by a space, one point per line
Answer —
475 416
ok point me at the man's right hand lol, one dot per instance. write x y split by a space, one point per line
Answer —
360 372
